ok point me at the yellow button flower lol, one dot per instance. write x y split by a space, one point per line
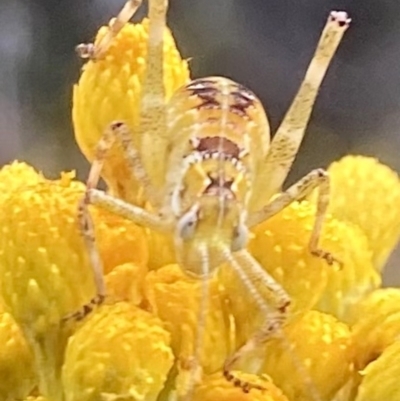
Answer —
381 377
120 353
216 388
125 283
17 372
45 273
315 357
176 299
17 175
377 324
357 276
110 89
367 193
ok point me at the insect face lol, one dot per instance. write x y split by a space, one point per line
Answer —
213 223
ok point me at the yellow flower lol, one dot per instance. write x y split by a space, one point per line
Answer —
216 388
44 268
381 377
33 398
17 373
367 193
176 299
143 348
125 282
315 356
280 244
377 324
356 278
120 350
110 89
17 175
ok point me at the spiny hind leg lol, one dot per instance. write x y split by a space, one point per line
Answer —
287 139
98 50
318 178
252 275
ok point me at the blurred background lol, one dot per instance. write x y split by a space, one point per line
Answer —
264 44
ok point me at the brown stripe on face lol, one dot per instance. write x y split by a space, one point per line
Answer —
213 144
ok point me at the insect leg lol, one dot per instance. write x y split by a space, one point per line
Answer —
287 139
98 50
316 178
152 128
121 132
252 276
117 206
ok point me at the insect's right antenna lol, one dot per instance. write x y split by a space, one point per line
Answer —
94 52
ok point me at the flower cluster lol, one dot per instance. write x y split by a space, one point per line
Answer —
340 341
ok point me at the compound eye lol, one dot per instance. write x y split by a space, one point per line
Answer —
240 236
187 225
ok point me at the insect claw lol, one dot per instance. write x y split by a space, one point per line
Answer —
243 384
328 257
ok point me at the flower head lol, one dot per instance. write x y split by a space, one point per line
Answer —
120 352
367 193
110 89
316 353
17 372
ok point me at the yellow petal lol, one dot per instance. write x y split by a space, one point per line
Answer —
367 193
315 357
381 377
17 372
110 89
216 388
45 272
120 350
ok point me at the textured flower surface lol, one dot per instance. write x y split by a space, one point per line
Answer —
157 337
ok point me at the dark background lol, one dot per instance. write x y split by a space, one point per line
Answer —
264 44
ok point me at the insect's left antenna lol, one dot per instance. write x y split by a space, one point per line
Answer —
95 51
289 136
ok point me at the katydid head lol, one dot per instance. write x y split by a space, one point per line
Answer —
214 223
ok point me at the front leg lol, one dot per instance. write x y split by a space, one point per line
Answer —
134 213
316 178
